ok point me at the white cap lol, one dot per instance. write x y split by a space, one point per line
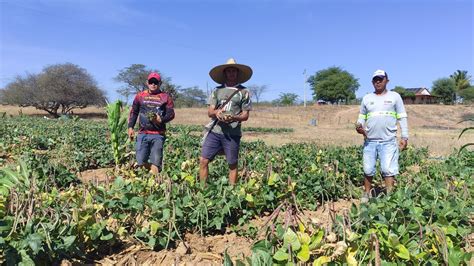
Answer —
380 73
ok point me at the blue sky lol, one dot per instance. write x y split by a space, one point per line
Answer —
416 41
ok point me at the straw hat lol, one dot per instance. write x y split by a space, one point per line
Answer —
217 73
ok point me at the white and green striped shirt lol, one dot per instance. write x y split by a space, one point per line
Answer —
380 113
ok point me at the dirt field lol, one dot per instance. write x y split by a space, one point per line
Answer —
209 250
434 126
205 250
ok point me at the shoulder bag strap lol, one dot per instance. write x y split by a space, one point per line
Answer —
224 104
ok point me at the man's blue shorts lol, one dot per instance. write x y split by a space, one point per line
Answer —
150 149
386 151
214 143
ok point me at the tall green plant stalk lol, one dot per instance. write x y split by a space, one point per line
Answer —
117 114
463 131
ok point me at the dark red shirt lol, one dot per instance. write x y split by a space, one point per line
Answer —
146 102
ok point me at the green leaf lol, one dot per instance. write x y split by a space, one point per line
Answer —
350 257
227 260
249 197
5 228
402 252
449 242
321 260
455 256
352 236
9 178
281 255
166 215
68 240
4 190
261 245
401 230
301 227
35 242
106 237
304 238
151 242
25 259
24 173
273 179
136 202
388 263
420 255
290 238
303 254
280 231
393 240
316 240
154 225
260 257
239 263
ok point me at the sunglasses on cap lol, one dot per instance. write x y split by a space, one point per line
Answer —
378 78
154 81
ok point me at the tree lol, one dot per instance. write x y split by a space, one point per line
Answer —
461 79
20 91
135 77
257 91
191 97
467 94
445 88
403 92
463 82
287 99
333 85
58 88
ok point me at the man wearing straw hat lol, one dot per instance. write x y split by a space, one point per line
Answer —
229 105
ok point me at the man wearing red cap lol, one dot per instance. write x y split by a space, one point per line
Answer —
154 108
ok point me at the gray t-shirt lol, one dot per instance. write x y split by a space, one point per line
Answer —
380 113
239 102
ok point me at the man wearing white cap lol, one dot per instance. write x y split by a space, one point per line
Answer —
379 113
229 105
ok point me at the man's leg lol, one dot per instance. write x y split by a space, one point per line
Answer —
389 181
389 163
143 151
369 160
233 173
154 169
231 146
211 146
147 166
203 169
368 184
156 155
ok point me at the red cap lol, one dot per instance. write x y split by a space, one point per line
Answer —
154 75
